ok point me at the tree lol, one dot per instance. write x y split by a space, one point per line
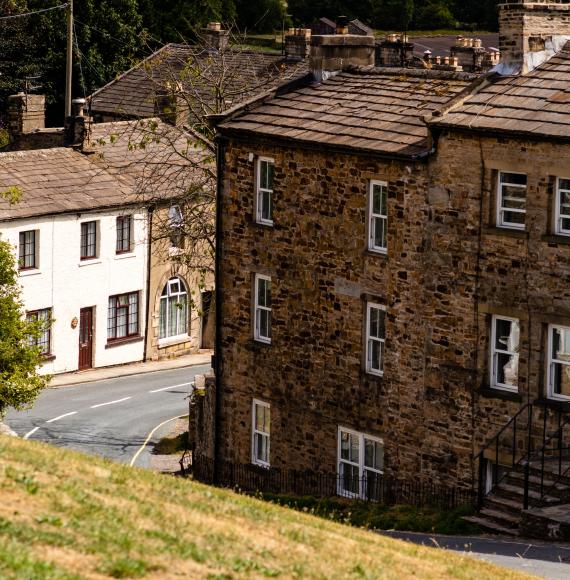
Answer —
435 14
20 383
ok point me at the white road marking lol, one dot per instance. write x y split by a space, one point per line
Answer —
30 433
61 417
110 403
136 455
171 387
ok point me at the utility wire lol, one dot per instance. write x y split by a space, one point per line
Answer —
35 12
80 59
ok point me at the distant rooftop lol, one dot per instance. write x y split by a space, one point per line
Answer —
132 95
537 103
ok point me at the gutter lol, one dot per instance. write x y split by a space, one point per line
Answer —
150 211
217 363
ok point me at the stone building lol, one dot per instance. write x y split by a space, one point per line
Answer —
392 282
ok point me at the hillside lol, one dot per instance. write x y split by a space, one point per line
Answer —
64 515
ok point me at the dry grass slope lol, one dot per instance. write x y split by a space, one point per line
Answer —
64 515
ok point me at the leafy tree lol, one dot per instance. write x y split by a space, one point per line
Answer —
178 20
260 16
435 14
20 384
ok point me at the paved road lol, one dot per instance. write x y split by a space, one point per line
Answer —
544 559
111 418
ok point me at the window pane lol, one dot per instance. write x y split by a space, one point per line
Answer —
266 175
375 348
133 313
515 178
372 485
265 198
163 318
373 454
264 323
514 197
344 445
516 218
349 480
262 447
354 448
560 377
379 225
378 200
506 369
377 316
507 334
565 202
112 318
122 322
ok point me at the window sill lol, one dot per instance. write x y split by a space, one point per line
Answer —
264 466
376 253
492 393
370 373
125 255
558 404
264 225
89 262
173 340
29 272
47 358
555 239
504 231
262 341
121 341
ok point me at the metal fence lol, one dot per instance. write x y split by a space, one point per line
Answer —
383 489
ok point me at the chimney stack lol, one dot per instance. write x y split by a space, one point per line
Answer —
394 50
26 114
531 31
215 38
337 52
297 43
78 126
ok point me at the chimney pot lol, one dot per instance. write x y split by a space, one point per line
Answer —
342 25
214 26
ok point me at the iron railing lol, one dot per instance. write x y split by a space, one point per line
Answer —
523 443
373 487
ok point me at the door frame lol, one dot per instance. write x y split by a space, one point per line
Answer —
91 310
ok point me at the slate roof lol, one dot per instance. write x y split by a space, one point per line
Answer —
247 72
537 103
378 110
58 180
112 174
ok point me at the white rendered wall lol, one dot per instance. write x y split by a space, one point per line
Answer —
66 283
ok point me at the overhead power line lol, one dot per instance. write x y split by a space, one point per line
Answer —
23 14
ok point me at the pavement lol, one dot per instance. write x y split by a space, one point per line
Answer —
203 357
117 417
544 559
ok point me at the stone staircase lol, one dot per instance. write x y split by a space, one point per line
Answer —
502 508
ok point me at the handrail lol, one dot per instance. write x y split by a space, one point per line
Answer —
540 453
503 429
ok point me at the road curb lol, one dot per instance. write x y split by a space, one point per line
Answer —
132 373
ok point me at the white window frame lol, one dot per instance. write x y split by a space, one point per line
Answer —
254 431
180 321
551 361
493 351
373 217
501 223
369 339
259 191
558 216
360 465
258 308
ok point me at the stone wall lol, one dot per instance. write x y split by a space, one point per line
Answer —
448 269
313 373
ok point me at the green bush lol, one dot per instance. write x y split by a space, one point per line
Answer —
381 517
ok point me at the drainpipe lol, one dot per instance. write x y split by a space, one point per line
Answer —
150 211
218 297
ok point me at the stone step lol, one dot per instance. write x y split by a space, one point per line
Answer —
491 525
504 504
517 478
517 492
503 518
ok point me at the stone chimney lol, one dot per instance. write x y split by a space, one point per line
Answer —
342 25
337 52
531 31
26 114
470 54
215 38
297 43
78 126
170 105
394 50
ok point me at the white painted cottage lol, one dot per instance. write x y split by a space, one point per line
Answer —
81 243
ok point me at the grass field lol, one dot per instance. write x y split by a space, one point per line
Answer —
64 515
